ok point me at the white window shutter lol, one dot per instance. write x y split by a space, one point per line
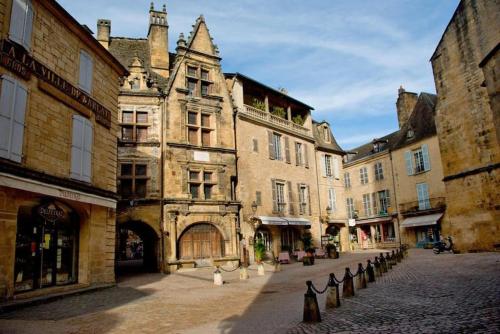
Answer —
17 19
336 172
28 25
409 162
323 165
425 155
86 68
6 106
87 151
77 147
19 110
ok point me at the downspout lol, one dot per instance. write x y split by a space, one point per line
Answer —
319 194
395 197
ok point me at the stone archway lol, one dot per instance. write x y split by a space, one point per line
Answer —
137 250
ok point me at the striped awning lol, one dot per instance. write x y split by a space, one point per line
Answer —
374 220
422 220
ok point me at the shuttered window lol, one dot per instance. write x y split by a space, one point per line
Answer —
367 205
423 196
86 69
350 208
418 161
363 175
332 201
81 149
347 180
13 100
21 22
336 172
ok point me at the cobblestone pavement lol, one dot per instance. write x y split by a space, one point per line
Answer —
426 293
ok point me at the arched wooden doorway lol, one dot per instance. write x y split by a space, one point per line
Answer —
201 241
137 249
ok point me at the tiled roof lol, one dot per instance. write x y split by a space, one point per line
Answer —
366 150
320 141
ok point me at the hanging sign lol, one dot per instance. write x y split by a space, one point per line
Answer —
51 212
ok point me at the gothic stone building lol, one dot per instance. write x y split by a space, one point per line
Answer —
177 158
58 124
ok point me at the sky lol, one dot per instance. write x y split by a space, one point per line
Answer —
344 58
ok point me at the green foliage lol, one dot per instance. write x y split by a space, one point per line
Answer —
278 111
298 119
307 240
260 251
258 104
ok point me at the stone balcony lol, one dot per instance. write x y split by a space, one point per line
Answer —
415 208
279 122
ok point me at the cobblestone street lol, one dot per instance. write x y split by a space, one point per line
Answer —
426 293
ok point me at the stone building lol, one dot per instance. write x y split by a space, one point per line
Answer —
465 66
140 144
332 211
417 170
370 196
58 124
276 167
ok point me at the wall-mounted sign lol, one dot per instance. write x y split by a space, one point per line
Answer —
51 212
16 59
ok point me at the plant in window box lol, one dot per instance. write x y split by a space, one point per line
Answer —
258 104
278 111
308 259
298 119
260 251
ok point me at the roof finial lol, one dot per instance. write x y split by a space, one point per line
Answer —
164 8
181 41
152 6
401 89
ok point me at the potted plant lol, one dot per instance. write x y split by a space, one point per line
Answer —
308 259
260 251
331 250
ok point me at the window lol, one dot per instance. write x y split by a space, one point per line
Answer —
255 145
275 146
347 180
367 205
86 69
133 180
199 128
303 198
299 160
13 99
332 199
423 196
279 202
201 180
258 197
21 22
417 161
134 126
383 201
327 165
81 149
197 83
363 175
326 134
336 171
379 172
350 208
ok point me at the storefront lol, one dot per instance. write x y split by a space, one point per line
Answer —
425 229
336 233
378 232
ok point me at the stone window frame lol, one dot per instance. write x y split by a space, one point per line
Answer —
200 128
367 205
328 162
347 180
363 175
351 210
134 177
201 182
199 80
379 171
134 124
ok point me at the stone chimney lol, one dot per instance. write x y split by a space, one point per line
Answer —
103 32
158 40
404 105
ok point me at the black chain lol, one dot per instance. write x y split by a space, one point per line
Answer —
319 292
228 271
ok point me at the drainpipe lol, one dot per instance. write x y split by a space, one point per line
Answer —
319 194
395 197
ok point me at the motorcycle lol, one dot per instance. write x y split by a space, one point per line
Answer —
441 246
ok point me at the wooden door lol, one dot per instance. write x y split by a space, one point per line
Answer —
201 241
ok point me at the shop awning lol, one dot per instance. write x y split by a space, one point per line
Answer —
374 220
337 221
272 220
422 220
298 221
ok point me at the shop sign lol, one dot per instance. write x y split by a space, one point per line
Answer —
51 212
352 222
16 59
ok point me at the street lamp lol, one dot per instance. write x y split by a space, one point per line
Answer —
253 220
254 207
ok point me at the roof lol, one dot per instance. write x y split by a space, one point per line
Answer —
85 36
366 150
421 122
455 13
320 141
253 81
125 49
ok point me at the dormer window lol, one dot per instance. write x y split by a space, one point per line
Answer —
326 134
410 134
198 81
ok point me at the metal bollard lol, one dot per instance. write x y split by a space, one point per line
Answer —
369 270
378 271
243 273
388 260
332 294
398 255
402 251
311 308
361 279
218 277
383 263
277 265
348 286
393 258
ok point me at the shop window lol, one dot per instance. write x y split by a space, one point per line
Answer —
133 180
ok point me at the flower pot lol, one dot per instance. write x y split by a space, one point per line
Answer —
308 260
260 269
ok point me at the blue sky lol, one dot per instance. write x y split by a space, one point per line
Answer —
345 58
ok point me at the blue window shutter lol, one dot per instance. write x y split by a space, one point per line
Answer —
409 162
77 147
87 151
17 21
28 25
18 114
6 108
425 154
